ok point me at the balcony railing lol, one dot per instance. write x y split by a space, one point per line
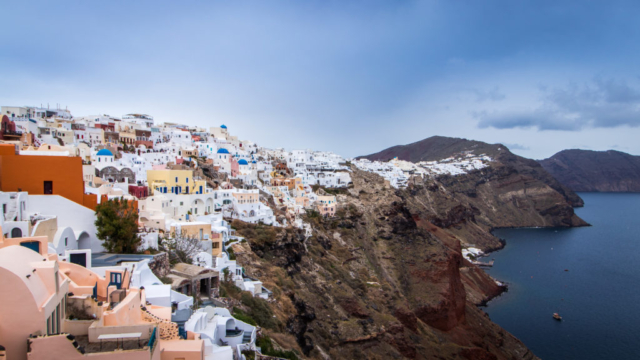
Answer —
232 332
12 133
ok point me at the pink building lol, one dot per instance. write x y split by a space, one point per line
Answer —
66 311
235 167
33 298
326 205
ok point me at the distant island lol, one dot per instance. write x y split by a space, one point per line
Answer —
595 171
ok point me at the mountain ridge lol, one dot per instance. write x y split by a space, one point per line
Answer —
595 171
440 147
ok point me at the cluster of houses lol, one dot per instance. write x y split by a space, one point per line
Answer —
397 173
66 297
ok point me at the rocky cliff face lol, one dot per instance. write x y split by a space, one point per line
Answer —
605 171
385 278
439 147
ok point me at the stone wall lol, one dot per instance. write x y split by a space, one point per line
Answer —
160 265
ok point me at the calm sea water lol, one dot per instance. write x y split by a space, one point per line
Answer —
598 297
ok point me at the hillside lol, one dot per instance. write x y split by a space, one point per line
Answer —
439 147
602 171
434 148
386 279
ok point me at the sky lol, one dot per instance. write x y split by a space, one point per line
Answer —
353 77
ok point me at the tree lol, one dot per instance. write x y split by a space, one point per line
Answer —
117 224
182 248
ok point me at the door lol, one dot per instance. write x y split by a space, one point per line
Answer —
16 233
48 187
116 279
80 259
33 245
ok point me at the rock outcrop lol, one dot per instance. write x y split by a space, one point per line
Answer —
602 171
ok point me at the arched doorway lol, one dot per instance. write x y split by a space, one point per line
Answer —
16 233
84 241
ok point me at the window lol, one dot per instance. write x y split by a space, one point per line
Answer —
66 241
216 245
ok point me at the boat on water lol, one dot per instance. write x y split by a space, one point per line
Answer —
557 316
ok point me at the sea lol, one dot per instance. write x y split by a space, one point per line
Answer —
589 275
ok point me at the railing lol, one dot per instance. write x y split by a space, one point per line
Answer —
12 133
233 333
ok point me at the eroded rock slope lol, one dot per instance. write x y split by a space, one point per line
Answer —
385 279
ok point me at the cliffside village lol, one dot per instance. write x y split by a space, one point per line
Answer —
63 296
185 183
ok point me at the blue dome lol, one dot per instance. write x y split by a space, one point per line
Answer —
253 162
223 126
243 162
223 151
105 152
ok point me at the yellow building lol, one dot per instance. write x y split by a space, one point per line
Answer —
216 244
197 229
128 138
246 198
174 182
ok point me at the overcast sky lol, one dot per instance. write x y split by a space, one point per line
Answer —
353 77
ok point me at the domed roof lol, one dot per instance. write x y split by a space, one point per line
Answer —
253 162
223 126
223 151
243 162
105 152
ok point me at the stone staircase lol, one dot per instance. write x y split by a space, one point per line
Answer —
167 330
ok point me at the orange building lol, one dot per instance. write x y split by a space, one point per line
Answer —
41 175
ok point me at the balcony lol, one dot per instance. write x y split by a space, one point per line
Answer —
234 332
10 133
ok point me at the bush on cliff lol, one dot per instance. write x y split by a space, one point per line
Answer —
266 348
258 234
260 311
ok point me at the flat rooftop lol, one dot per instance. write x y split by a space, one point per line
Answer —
104 259
109 346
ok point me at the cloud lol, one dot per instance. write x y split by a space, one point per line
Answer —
601 103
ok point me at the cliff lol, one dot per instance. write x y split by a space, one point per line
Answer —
604 171
439 147
385 278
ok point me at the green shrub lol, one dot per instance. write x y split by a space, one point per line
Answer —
259 234
266 348
260 311
230 290
249 354
242 316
